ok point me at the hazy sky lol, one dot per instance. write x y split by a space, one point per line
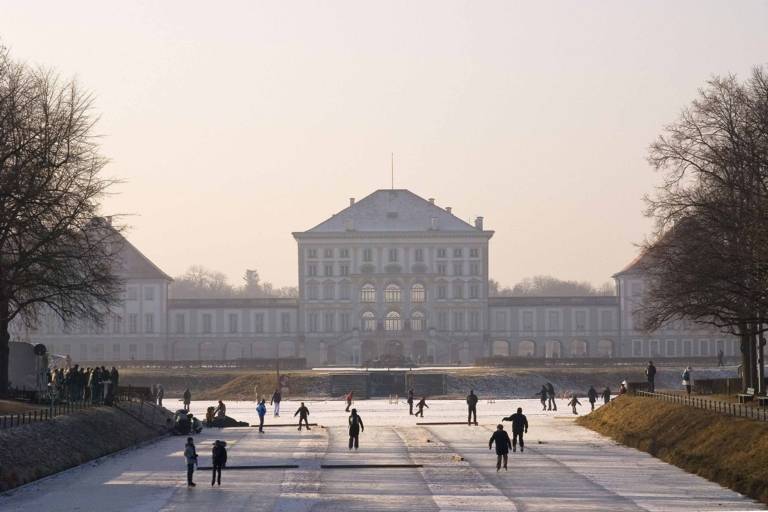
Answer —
235 123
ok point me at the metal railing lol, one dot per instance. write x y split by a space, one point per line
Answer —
718 406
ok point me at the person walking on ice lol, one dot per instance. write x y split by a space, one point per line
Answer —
190 455
472 407
573 403
261 410
410 401
187 399
276 397
348 398
420 406
355 427
503 444
303 414
519 426
218 460
592 395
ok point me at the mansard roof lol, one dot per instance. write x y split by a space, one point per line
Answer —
395 210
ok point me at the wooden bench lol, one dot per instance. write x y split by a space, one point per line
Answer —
747 397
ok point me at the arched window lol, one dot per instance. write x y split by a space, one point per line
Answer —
417 321
369 321
418 293
368 293
392 293
392 322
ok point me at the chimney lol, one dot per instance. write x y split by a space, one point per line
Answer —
351 201
432 200
448 209
479 223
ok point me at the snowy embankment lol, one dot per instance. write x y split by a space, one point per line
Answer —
33 451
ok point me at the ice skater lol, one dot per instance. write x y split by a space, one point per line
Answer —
420 406
573 403
471 407
218 460
261 410
190 455
348 398
519 427
551 404
410 401
503 444
303 413
355 427
276 397
592 395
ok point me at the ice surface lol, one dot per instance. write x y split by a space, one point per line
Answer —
564 468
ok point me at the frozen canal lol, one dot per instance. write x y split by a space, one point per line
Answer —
564 468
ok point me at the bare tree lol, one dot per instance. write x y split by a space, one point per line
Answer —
55 250
548 286
708 257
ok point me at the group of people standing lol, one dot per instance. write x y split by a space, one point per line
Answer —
76 384
218 460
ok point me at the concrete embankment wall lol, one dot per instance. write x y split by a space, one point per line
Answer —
33 451
730 451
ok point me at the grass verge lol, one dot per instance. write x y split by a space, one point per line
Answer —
730 451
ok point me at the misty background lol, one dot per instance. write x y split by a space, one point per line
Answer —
233 125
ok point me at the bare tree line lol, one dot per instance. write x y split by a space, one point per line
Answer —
548 286
199 282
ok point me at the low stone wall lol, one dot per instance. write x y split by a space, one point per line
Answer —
30 452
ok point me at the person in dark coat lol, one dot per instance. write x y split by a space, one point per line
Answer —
276 398
519 426
650 373
355 427
503 444
606 395
592 395
552 405
187 399
219 460
471 407
420 406
410 401
303 414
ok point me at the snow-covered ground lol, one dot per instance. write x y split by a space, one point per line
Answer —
564 468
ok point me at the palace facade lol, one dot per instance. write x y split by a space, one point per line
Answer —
392 274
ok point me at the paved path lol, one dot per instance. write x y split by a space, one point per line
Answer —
564 468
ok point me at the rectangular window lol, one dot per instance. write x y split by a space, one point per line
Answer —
441 269
670 347
133 323
474 269
418 255
329 291
312 270
149 323
441 252
474 321
441 291
328 322
207 323
149 293
458 290
343 253
458 320
313 322
133 351
258 322
116 351
474 253
149 350
474 291
606 320
233 317
458 268
580 320
285 322
312 292
180 323
344 270
442 320
457 253
132 293
392 255
328 270
345 291
117 324
311 253
367 255
527 320
345 325
328 253
553 320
